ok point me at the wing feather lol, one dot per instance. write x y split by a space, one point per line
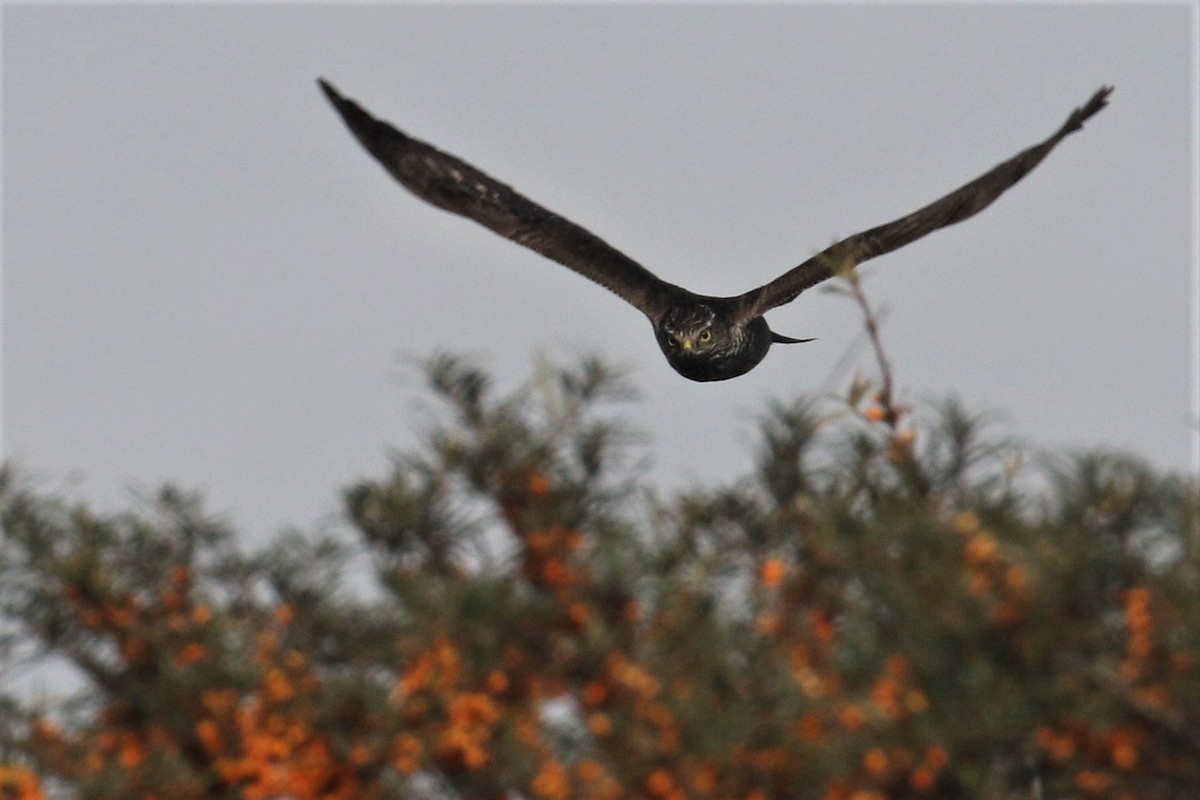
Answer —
954 207
454 185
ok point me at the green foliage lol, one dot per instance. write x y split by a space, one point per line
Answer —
890 605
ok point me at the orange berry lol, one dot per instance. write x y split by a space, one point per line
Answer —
539 484
594 693
966 522
1093 781
771 572
875 762
981 548
191 654
922 779
578 613
851 717
551 782
497 682
600 724
659 782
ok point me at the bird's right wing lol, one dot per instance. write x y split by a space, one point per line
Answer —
958 205
454 185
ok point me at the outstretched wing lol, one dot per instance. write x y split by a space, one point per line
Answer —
450 183
954 207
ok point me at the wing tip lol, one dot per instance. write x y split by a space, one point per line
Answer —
339 101
328 88
361 123
1094 105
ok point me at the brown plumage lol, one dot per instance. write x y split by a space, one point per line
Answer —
704 338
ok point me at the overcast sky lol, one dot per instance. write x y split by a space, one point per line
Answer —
207 281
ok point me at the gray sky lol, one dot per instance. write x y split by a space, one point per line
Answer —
206 280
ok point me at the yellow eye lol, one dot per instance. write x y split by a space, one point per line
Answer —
705 335
672 341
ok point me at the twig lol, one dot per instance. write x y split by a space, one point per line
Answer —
885 398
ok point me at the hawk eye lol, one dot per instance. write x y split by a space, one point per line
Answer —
672 341
705 335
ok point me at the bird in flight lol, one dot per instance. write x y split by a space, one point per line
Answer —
704 338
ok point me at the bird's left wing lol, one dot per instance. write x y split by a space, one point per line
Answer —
454 185
954 207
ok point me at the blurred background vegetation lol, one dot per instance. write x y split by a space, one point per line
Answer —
892 605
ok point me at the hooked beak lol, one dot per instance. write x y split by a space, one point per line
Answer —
687 344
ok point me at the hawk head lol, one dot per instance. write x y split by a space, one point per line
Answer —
704 345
